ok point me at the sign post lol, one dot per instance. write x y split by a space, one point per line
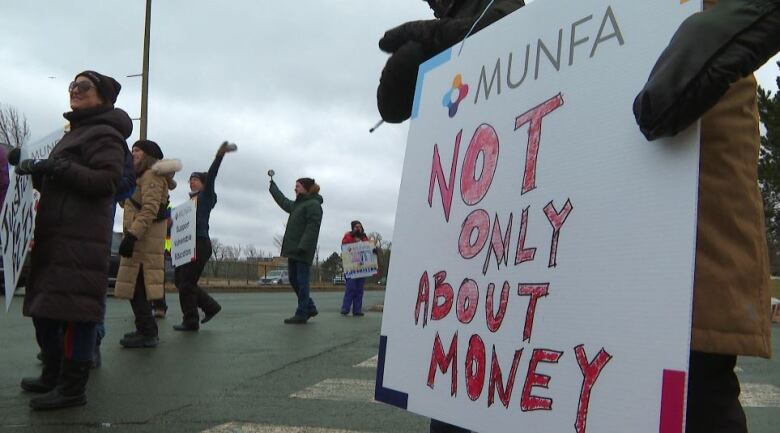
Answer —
543 258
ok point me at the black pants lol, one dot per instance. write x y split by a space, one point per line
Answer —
713 395
191 296
70 340
144 320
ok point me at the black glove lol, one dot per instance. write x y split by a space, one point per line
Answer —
395 93
14 156
418 31
36 166
710 51
127 245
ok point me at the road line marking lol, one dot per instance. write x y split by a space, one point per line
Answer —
236 427
339 390
759 395
369 363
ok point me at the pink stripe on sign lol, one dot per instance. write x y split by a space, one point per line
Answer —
673 402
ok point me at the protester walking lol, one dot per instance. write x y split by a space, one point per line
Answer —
68 263
141 269
191 296
300 241
353 287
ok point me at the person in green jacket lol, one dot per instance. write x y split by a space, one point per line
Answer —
300 241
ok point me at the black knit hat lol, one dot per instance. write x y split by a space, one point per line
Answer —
150 148
107 87
200 175
306 182
354 223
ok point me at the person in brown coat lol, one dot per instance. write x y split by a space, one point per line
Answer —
141 268
707 69
69 266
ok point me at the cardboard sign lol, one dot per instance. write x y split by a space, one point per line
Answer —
359 260
542 269
17 217
183 233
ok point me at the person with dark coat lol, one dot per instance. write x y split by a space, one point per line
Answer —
706 73
300 241
141 268
414 42
191 296
69 266
353 287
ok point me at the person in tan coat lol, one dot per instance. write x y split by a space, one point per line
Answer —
706 72
141 269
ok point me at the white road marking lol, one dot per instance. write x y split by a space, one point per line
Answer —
369 363
236 427
759 395
339 390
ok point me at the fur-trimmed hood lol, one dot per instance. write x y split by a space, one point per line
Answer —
167 168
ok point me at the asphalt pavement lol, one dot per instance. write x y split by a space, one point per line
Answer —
248 372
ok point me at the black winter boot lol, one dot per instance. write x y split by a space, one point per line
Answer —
52 365
70 390
138 341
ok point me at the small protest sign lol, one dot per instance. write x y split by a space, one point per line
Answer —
359 260
183 233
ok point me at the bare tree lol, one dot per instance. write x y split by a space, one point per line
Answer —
219 254
14 129
379 240
251 252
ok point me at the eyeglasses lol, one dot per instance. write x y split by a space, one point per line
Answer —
81 86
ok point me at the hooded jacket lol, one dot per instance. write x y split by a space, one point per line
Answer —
69 259
303 224
151 190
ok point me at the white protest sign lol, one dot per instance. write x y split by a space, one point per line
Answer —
18 215
183 233
542 269
359 260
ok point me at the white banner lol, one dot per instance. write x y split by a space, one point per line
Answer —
18 215
359 260
183 233
543 254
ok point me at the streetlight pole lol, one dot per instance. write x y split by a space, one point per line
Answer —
145 72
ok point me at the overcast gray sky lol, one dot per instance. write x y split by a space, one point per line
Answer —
292 83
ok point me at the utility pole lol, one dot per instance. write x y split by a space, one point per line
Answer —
145 73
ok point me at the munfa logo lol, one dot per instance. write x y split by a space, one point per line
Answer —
455 95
